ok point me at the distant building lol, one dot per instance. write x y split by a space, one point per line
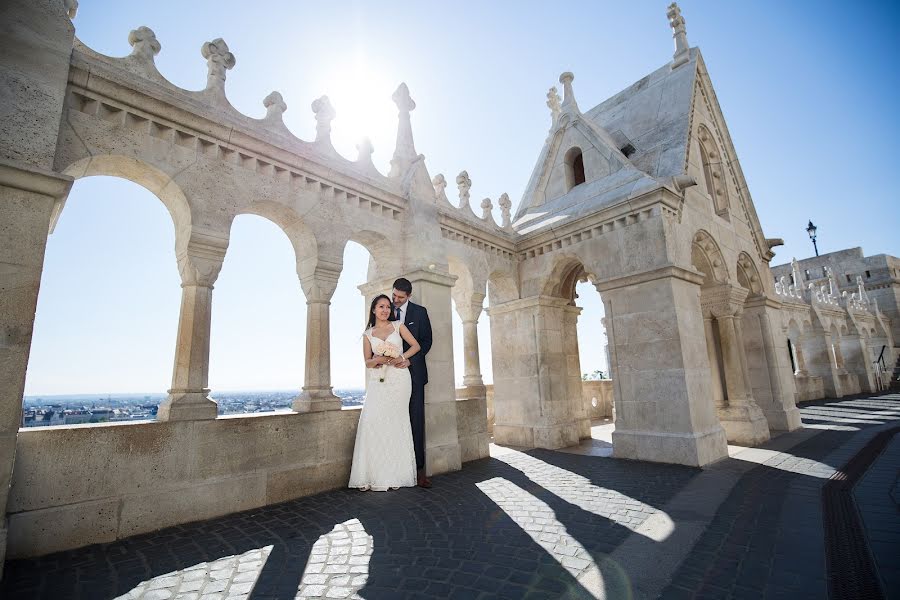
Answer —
880 276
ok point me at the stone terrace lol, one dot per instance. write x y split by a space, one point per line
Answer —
536 524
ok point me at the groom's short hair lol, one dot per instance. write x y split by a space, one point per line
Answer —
403 285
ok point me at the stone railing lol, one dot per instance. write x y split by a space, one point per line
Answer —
99 483
597 396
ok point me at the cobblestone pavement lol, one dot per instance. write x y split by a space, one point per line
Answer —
535 524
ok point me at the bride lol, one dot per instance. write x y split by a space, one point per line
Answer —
383 457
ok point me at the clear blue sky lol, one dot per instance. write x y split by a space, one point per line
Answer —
809 91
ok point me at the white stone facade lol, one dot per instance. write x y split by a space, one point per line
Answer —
642 195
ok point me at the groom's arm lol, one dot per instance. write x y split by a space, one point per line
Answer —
425 332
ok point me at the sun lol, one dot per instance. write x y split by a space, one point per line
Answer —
361 97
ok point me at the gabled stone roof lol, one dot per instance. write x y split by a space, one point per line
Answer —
653 116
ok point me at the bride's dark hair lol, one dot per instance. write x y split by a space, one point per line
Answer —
393 316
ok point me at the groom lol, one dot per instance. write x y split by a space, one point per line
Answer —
415 318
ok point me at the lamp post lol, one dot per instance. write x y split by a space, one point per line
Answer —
811 230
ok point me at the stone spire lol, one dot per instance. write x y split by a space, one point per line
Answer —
568 103
218 60
505 206
405 150
676 22
324 116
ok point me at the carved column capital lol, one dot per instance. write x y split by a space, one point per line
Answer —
723 301
200 260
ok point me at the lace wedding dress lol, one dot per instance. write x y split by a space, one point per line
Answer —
383 457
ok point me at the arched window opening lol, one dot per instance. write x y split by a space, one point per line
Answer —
574 168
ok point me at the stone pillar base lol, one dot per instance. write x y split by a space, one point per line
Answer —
442 459
784 420
584 428
473 391
316 400
691 449
744 425
184 405
549 437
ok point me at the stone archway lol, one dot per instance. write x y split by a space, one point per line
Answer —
723 307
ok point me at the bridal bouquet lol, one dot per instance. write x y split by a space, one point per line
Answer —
389 350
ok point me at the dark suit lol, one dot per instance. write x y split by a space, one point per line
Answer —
420 327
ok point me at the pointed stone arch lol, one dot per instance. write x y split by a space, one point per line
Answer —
158 182
748 275
706 256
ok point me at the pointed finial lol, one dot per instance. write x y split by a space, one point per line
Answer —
463 183
440 184
218 60
676 22
553 105
275 105
568 104
486 209
505 206
405 150
144 44
365 150
324 116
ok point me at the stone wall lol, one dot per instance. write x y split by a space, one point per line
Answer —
84 484
598 398
809 388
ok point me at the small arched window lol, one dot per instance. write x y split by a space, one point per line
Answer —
574 168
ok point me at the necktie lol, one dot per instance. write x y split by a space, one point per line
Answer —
398 313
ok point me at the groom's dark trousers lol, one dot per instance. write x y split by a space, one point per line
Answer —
420 327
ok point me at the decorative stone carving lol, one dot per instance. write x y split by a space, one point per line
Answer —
405 150
71 7
144 44
553 105
486 208
325 114
505 207
679 33
440 184
218 60
275 105
464 184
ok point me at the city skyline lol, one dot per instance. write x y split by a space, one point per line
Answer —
797 89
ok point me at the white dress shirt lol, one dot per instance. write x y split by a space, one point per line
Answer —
402 312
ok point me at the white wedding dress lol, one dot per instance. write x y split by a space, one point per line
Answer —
384 457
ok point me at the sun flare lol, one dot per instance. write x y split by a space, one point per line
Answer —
361 96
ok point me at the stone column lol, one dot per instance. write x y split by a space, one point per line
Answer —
715 368
574 387
782 412
35 51
317 394
27 199
199 264
660 369
442 451
742 419
535 403
469 309
819 362
857 362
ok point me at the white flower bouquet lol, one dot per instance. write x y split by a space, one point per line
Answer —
389 350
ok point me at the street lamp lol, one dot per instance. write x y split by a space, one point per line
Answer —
811 230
